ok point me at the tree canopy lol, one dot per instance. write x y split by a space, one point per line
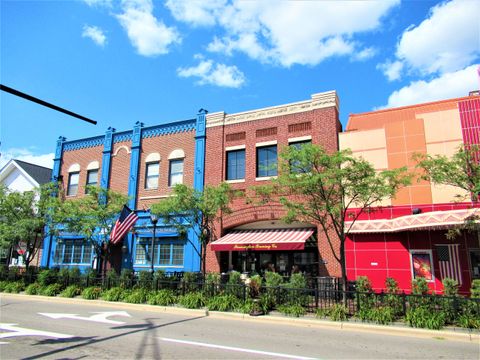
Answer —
188 208
26 216
319 187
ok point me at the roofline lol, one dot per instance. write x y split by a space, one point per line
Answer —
414 106
13 162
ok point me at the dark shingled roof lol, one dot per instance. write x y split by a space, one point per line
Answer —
40 174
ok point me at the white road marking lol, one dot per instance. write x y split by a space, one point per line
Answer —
100 317
237 349
19 331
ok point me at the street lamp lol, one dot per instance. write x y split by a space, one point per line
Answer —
154 220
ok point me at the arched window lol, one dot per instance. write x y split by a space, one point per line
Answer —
73 177
152 170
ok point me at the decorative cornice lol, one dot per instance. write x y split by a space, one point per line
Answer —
430 220
171 128
122 136
318 101
83 143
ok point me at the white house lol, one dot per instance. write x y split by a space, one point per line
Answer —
21 176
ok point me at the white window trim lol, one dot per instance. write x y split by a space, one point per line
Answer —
235 181
300 138
237 147
266 143
74 168
153 157
265 178
176 154
420 251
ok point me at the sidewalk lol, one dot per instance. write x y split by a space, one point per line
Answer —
449 333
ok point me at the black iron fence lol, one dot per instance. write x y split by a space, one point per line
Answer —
322 294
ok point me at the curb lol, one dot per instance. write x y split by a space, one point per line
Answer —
456 334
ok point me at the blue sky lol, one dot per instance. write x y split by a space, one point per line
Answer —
119 62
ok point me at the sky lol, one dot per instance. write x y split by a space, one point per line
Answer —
119 62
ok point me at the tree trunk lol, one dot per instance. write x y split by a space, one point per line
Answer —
344 270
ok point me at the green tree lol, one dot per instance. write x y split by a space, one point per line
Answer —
93 217
188 209
462 170
319 187
26 218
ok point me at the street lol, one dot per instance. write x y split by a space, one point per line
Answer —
32 328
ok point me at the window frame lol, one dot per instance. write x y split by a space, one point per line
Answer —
70 186
237 169
87 183
168 243
170 164
74 246
268 173
148 177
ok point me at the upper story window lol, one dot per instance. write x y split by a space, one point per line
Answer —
152 171
236 164
92 174
295 165
73 177
267 161
175 172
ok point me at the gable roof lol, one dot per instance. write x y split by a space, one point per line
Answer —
40 174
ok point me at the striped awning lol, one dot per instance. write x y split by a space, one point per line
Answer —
263 240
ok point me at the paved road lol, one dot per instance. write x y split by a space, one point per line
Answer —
32 329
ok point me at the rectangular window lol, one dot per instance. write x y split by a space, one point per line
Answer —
77 251
151 175
422 264
177 254
92 178
236 164
73 183
57 257
295 166
87 253
176 172
67 253
267 161
141 253
164 254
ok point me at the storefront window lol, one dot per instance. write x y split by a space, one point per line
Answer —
422 264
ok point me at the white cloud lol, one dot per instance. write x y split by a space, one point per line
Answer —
27 155
392 70
212 73
365 54
448 85
94 33
149 35
99 3
447 41
286 32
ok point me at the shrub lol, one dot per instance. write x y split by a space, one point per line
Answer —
126 278
223 303
92 293
164 297
113 294
89 277
14 287
3 285
51 290
71 291
137 296
47 277
381 315
322 313
392 298
292 310
468 322
193 300
63 277
422 317
338 312
33 289
255 286
475 289
145 279
450 287
273 279
112 278
364 284
420 286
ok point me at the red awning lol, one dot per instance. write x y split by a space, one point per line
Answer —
263 240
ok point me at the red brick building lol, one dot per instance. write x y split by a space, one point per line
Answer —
242 150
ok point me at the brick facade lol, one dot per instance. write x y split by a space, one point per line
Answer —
321 125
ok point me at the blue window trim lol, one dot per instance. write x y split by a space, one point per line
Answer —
159 240
73 239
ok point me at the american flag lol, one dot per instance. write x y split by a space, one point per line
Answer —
448 260
124 223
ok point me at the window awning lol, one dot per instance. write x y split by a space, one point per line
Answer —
263 240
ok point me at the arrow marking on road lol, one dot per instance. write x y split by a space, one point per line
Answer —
19 331
100 317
